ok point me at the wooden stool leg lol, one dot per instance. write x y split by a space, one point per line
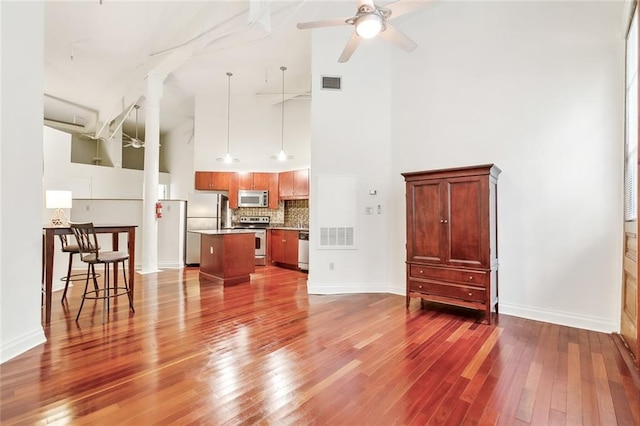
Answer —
66 283
86 286
105 301
126 285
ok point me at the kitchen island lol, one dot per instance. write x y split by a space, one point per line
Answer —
227 256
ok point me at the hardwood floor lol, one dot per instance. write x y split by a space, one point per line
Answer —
267 353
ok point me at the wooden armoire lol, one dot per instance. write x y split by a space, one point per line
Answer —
452 244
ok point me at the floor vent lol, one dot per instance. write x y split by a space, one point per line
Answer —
336 237
331 83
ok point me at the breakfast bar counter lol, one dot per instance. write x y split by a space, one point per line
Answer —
227 256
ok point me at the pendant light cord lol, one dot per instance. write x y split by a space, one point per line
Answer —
283 68
228 107
137 107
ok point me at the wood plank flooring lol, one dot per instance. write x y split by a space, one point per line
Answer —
267 353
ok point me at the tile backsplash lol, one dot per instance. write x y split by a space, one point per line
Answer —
296 213
290 213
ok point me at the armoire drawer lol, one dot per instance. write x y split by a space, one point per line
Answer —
475 294
453 275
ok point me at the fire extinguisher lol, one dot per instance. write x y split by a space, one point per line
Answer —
158 210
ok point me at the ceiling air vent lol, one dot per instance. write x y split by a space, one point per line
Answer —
331 83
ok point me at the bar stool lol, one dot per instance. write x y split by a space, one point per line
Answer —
90 254
72 249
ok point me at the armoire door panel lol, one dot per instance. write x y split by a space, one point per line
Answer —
427 213
467 222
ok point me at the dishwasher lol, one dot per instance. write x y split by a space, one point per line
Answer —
303 250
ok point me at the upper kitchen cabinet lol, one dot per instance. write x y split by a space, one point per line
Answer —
213 181
254 181
294 185
258 181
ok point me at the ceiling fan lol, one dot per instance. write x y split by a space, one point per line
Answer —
134 142
369 21
97 159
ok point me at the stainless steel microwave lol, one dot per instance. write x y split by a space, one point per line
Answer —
248 198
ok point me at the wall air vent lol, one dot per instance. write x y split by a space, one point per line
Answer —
331 83
336 236
336 197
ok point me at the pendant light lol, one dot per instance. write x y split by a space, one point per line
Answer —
282 156
228 158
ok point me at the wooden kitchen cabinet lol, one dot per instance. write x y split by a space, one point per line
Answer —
283 247
245 181
212 181
227 258
294 185
452 253
257 181
254 181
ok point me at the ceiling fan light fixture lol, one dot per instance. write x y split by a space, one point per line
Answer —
368 26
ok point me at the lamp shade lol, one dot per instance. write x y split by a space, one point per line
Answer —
58 199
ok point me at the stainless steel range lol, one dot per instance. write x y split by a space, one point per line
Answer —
259 224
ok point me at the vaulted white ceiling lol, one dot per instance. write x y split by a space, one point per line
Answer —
97 54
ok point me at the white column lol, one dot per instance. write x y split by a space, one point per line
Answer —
151 173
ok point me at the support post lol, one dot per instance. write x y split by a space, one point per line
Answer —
151 173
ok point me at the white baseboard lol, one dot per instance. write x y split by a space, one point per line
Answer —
170 265
569 319
152 271
22 344
347 288
399 290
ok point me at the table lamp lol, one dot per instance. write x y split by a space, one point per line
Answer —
58 200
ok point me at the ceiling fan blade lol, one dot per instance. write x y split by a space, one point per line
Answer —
399 8
324 23
127 145
350 48
396 37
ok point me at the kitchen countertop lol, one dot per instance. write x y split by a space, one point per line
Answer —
289 228
223 231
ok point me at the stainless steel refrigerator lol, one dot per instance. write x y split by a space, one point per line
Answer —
205 211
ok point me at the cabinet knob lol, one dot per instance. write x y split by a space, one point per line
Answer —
470 277
419 286
441 220
421 271
470 294
445 221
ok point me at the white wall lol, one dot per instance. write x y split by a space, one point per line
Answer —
85 180
351 135
171 227
21 79
254 132
179 149
535 87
